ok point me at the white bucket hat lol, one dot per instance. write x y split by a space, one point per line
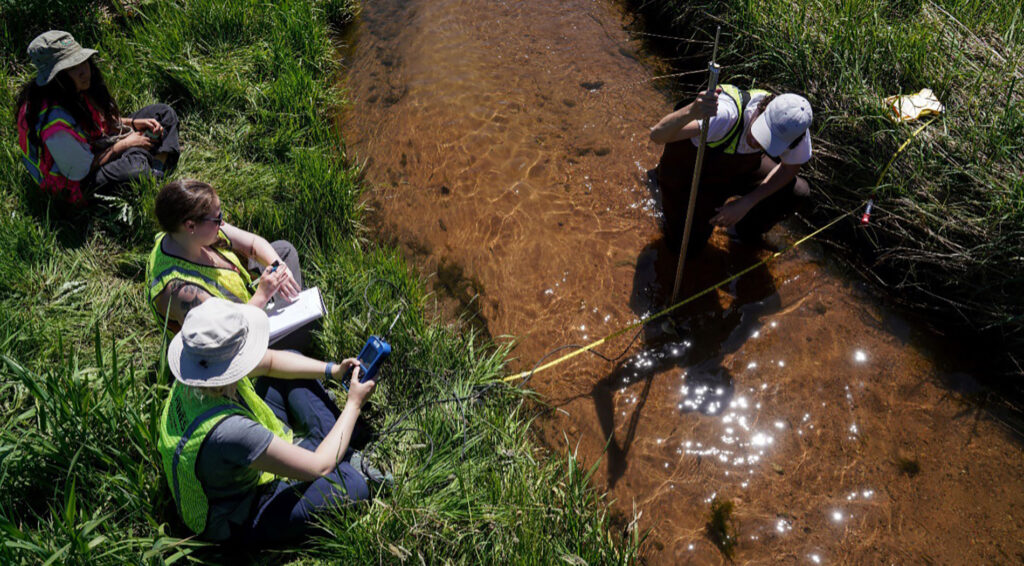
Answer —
220 342
785 119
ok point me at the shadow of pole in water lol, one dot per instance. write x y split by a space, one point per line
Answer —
708 385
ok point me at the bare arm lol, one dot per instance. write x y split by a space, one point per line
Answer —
182 296
288 460
140 124
258 248
683 124
250 245
781 175
134 139
283 364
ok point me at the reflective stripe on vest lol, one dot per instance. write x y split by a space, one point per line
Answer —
184 424
37 159
162 269
731 140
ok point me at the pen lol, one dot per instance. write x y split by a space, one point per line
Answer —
273 268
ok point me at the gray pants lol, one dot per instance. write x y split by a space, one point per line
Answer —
137 162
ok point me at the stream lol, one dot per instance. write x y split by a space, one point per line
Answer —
506 147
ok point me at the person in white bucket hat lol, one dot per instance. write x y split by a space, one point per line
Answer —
757 143
228 452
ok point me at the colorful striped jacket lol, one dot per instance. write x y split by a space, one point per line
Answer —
37 159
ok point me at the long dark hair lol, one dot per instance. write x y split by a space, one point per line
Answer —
62 92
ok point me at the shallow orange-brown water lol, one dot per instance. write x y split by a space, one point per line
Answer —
506 147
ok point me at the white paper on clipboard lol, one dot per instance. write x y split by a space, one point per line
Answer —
285 318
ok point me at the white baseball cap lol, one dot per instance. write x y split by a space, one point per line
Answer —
785 119
220 342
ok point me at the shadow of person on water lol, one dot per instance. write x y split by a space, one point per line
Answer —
695 338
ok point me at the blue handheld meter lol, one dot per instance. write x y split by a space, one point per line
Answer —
372 356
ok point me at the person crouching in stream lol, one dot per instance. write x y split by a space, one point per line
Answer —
757 143
235 468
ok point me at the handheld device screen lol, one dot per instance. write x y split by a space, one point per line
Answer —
372 357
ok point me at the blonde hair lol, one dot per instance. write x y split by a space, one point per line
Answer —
204 393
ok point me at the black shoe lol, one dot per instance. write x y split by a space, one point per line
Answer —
372 474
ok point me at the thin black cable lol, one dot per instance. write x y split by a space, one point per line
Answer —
395 429
370 448
479 390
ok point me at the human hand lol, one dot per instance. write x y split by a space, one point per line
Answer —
359 391
289 289
143 124
705 105
339 370
270 282
730 213
135 139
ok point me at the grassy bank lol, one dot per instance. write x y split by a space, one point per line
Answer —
80 479
947 237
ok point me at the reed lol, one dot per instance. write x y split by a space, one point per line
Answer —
80 478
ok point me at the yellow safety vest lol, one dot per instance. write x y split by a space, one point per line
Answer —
230 284
731 140
186 420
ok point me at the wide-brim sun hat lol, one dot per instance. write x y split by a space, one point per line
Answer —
54 51
785 119
220 343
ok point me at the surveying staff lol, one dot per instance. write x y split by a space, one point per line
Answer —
757 143
199 256
71 133
227 452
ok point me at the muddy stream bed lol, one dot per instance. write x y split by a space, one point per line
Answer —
506 147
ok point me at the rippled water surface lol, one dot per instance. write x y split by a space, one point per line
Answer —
506 144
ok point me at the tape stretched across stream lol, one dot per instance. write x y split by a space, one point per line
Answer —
667 310
506 147
647 319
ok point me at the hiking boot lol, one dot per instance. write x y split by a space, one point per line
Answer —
370 472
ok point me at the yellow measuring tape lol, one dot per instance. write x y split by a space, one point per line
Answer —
645 320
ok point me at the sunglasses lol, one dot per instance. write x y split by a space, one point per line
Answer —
219 219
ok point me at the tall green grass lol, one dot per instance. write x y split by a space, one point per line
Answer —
80 478
948 232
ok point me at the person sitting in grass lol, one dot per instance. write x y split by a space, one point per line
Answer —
757 143
198 256
228 452
73 138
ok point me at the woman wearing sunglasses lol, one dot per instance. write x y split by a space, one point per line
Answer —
198 256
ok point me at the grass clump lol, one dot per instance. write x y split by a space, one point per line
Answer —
908 465
80 478
947 236
721 526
